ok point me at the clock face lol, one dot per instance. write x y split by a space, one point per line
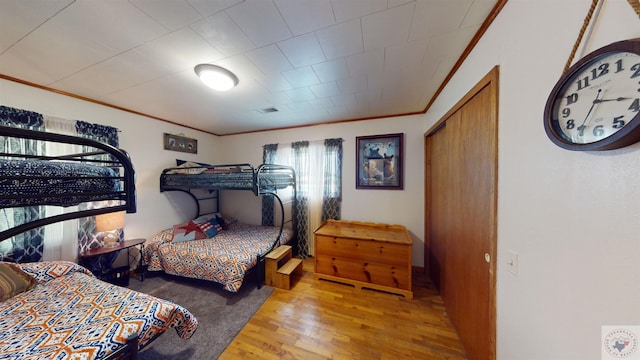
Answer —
599 100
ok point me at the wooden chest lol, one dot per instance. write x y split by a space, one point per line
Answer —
366 255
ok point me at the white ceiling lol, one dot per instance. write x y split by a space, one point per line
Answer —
316 61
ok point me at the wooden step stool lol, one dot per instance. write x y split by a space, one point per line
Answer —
280 266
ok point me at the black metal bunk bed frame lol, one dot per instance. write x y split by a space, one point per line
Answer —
126 195
257 186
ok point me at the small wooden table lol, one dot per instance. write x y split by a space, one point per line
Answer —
127 244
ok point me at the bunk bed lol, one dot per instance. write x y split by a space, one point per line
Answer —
226 257
58 309
28 180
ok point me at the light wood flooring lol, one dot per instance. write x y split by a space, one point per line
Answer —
318 319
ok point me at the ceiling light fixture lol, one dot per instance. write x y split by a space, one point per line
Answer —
216 77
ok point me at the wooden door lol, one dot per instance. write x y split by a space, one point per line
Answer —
460 224
437 178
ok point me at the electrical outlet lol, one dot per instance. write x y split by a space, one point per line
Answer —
512 262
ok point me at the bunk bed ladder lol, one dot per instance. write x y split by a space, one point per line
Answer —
275 274
280 266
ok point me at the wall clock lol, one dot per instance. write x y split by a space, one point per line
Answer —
595 104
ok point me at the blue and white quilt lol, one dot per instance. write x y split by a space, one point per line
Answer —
65 183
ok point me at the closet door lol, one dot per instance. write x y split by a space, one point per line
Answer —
461 187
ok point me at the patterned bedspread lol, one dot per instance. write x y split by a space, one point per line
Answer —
71 314
224 259
39 182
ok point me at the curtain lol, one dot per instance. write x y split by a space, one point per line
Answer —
87 233
332 180
28 246
318 167
102 133
62 238
300 163
269 153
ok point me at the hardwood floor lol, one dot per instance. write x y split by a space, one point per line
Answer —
318 319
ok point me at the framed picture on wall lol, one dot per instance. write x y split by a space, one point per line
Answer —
379 162
180 143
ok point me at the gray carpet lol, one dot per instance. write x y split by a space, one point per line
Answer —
221 315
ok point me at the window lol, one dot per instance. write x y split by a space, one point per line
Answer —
318 167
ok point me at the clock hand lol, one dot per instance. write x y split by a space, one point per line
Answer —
596 101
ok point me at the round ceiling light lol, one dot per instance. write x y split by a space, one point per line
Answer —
216 77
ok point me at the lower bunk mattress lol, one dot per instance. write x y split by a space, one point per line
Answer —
224 259
72 314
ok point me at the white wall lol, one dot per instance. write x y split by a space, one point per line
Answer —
572 217
142 137
404 207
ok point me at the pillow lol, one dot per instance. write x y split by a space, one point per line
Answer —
180 162
44 271
202 219
188 167
187 231
13 281
223 224
227 220
209 227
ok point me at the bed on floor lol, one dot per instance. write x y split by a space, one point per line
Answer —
58 309
218 248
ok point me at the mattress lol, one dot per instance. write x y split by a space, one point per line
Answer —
71 314
64 183
224 259
241 180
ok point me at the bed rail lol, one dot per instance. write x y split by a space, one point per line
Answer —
265 179
201 189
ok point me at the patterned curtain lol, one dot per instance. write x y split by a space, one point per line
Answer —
58 244
269 153
102 133
332 189
301 165
87 226
28 246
